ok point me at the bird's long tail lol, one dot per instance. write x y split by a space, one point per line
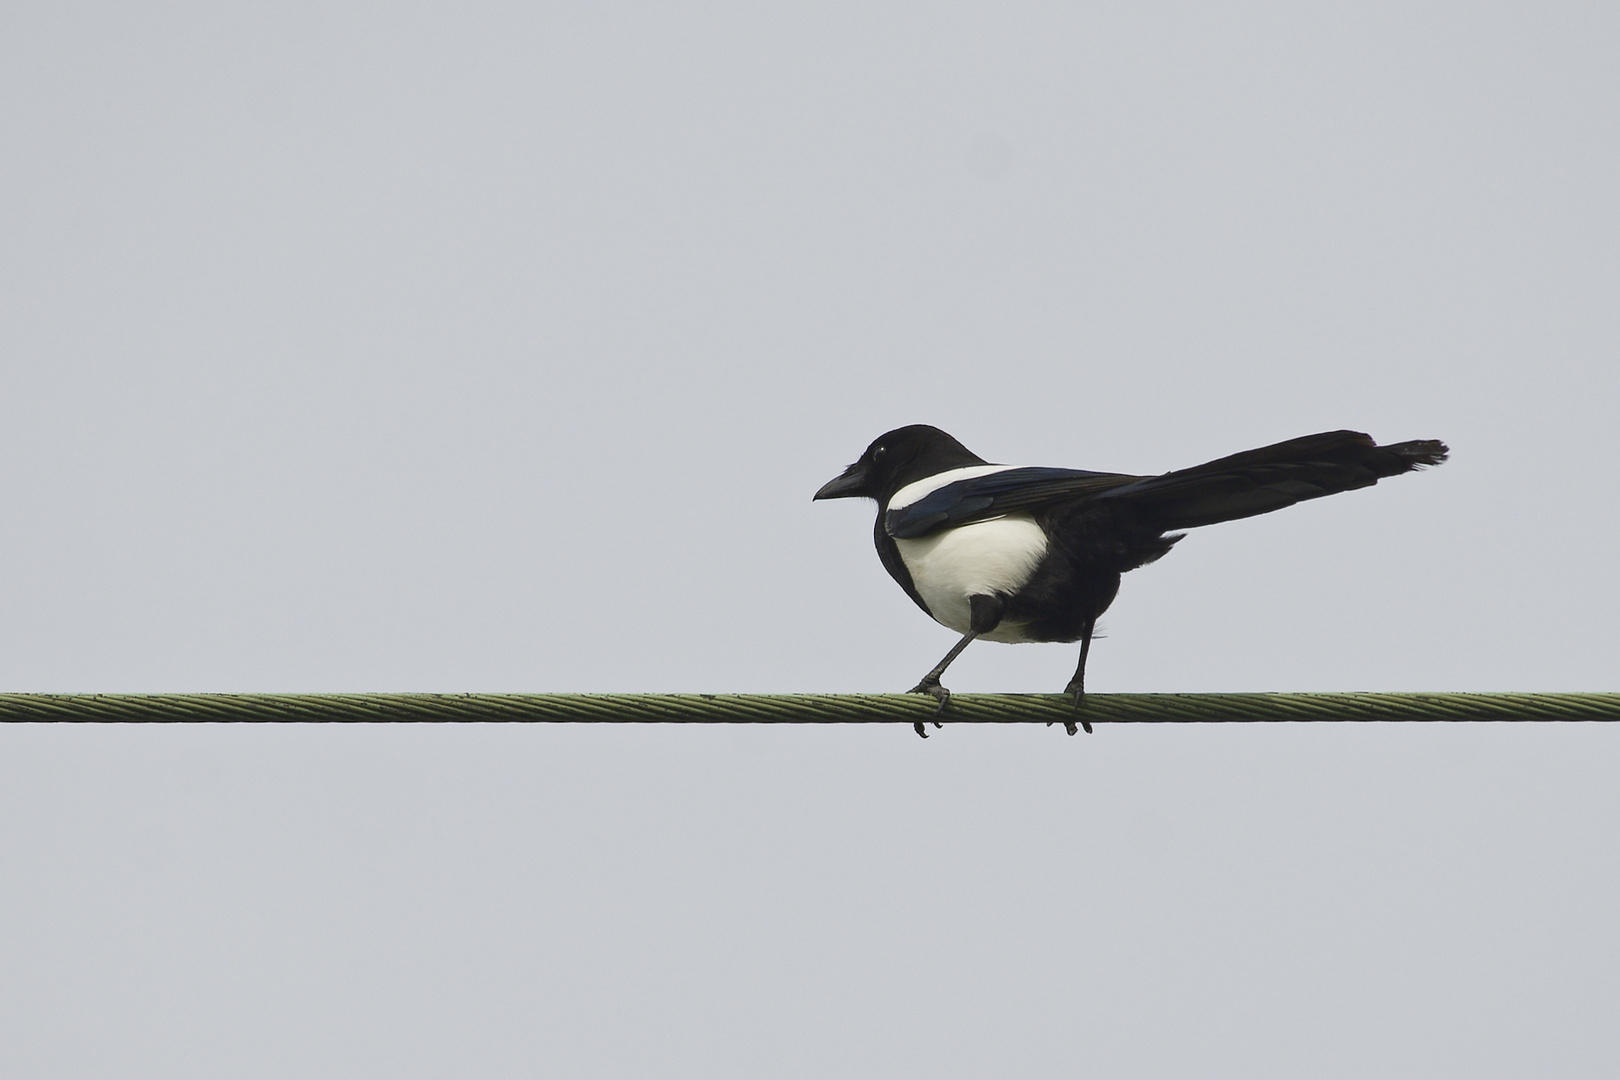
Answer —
1272 477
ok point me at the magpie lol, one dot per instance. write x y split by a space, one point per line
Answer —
1014 554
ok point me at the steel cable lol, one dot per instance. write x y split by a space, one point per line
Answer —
798 708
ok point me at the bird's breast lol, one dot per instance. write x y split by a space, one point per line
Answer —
986 558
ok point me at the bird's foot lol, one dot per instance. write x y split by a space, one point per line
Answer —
1077 690
930 686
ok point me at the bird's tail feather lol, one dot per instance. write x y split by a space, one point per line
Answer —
1272 477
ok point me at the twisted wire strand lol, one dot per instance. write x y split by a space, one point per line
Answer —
799 708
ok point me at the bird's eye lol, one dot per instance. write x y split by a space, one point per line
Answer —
877 452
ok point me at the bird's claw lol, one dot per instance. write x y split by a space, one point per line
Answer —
1078 692
932 688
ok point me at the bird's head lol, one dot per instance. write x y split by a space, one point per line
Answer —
895 459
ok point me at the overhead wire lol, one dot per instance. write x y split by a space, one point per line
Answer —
802 708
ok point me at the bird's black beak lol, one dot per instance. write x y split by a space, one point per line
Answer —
850 484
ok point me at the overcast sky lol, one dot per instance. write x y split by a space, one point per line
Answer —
500 347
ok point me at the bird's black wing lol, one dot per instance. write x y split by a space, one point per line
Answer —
984 497
1238 486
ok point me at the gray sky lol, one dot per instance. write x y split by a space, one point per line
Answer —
500 347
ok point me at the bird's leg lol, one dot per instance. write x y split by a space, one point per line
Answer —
984 613
1077 685
930 682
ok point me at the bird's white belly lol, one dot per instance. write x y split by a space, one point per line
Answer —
996 556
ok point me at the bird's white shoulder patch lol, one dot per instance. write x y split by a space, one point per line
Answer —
929 484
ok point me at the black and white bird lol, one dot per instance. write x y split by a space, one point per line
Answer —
1014 554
